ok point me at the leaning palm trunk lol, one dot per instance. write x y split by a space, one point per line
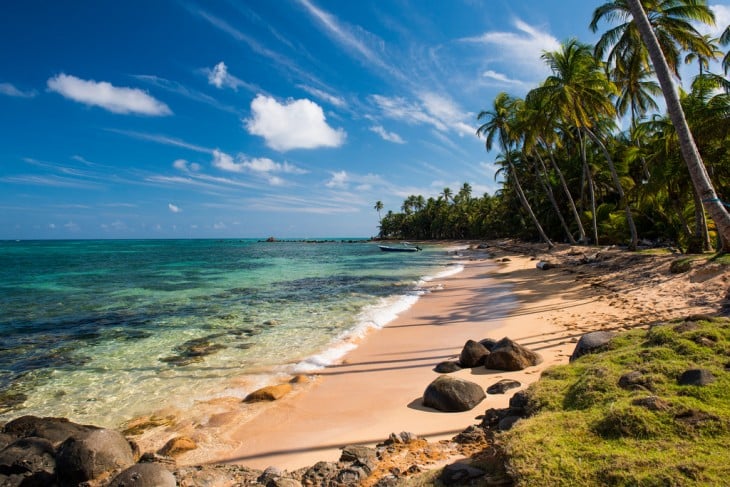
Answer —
690 154
702 233
591 188
622 196
566 190
542 176
526 205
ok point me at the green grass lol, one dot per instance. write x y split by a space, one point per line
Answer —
586 430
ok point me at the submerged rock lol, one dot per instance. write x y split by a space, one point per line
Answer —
270 393
452 395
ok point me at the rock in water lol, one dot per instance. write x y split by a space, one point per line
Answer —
145 475
592 342
510 355
270 393
473 354
452 395
177 446
97 453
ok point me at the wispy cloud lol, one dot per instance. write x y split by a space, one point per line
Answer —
519 50
52 181
356 41
9 89
432 109
337 101
219 77
162 139
501 78
294 124
189 93
385 135
261 167
103 94
174 208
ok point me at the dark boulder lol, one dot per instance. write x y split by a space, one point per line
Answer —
360 455
447 367
28 456
321 473
592 342
488 343
473 354
97 453
460 473
634 381
144 475
510 355
503 386
696 377
55 430
452 395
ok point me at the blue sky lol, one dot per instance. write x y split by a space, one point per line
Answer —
184 119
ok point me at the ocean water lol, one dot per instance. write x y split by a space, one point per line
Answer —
103 331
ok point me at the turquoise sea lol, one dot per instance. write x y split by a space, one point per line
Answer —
103 331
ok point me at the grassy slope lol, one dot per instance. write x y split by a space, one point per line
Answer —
588 431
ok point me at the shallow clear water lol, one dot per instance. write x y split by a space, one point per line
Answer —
102 331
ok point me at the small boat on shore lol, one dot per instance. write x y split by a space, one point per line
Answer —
405 247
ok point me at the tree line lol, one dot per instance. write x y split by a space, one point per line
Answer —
569 172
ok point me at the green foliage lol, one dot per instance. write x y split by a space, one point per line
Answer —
588 430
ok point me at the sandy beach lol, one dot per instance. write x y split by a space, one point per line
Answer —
377 389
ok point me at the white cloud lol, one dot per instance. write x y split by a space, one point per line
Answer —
296 124
219 226
174 208
337 101
389 136
162 139
261 166
105 95
502 78
74 227
432 109
338 180
186 166
8 89
220 77
521 51
722 20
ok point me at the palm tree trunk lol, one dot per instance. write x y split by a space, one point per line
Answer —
564 184
702 233
542 176
528 208
622 196
591 188
690 154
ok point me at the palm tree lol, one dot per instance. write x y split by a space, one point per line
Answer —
379 207
447 194
725 40
579 92
697 169
499 122
710 52
672 20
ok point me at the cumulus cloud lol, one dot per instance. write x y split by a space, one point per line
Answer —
339 179
722 20
8 89
294 124
103 94
221 78
385 135
174 208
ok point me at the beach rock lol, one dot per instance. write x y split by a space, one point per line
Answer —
269 474
95 454
28 456
592 342
696 377
503 386
361 455
635 380
459 473
299 379
509 355
145 475
452 395
488 343
473 435
507 422
177 446
269 393
473 354
283 482
6 439
55 430
447 367
545 265
321 473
